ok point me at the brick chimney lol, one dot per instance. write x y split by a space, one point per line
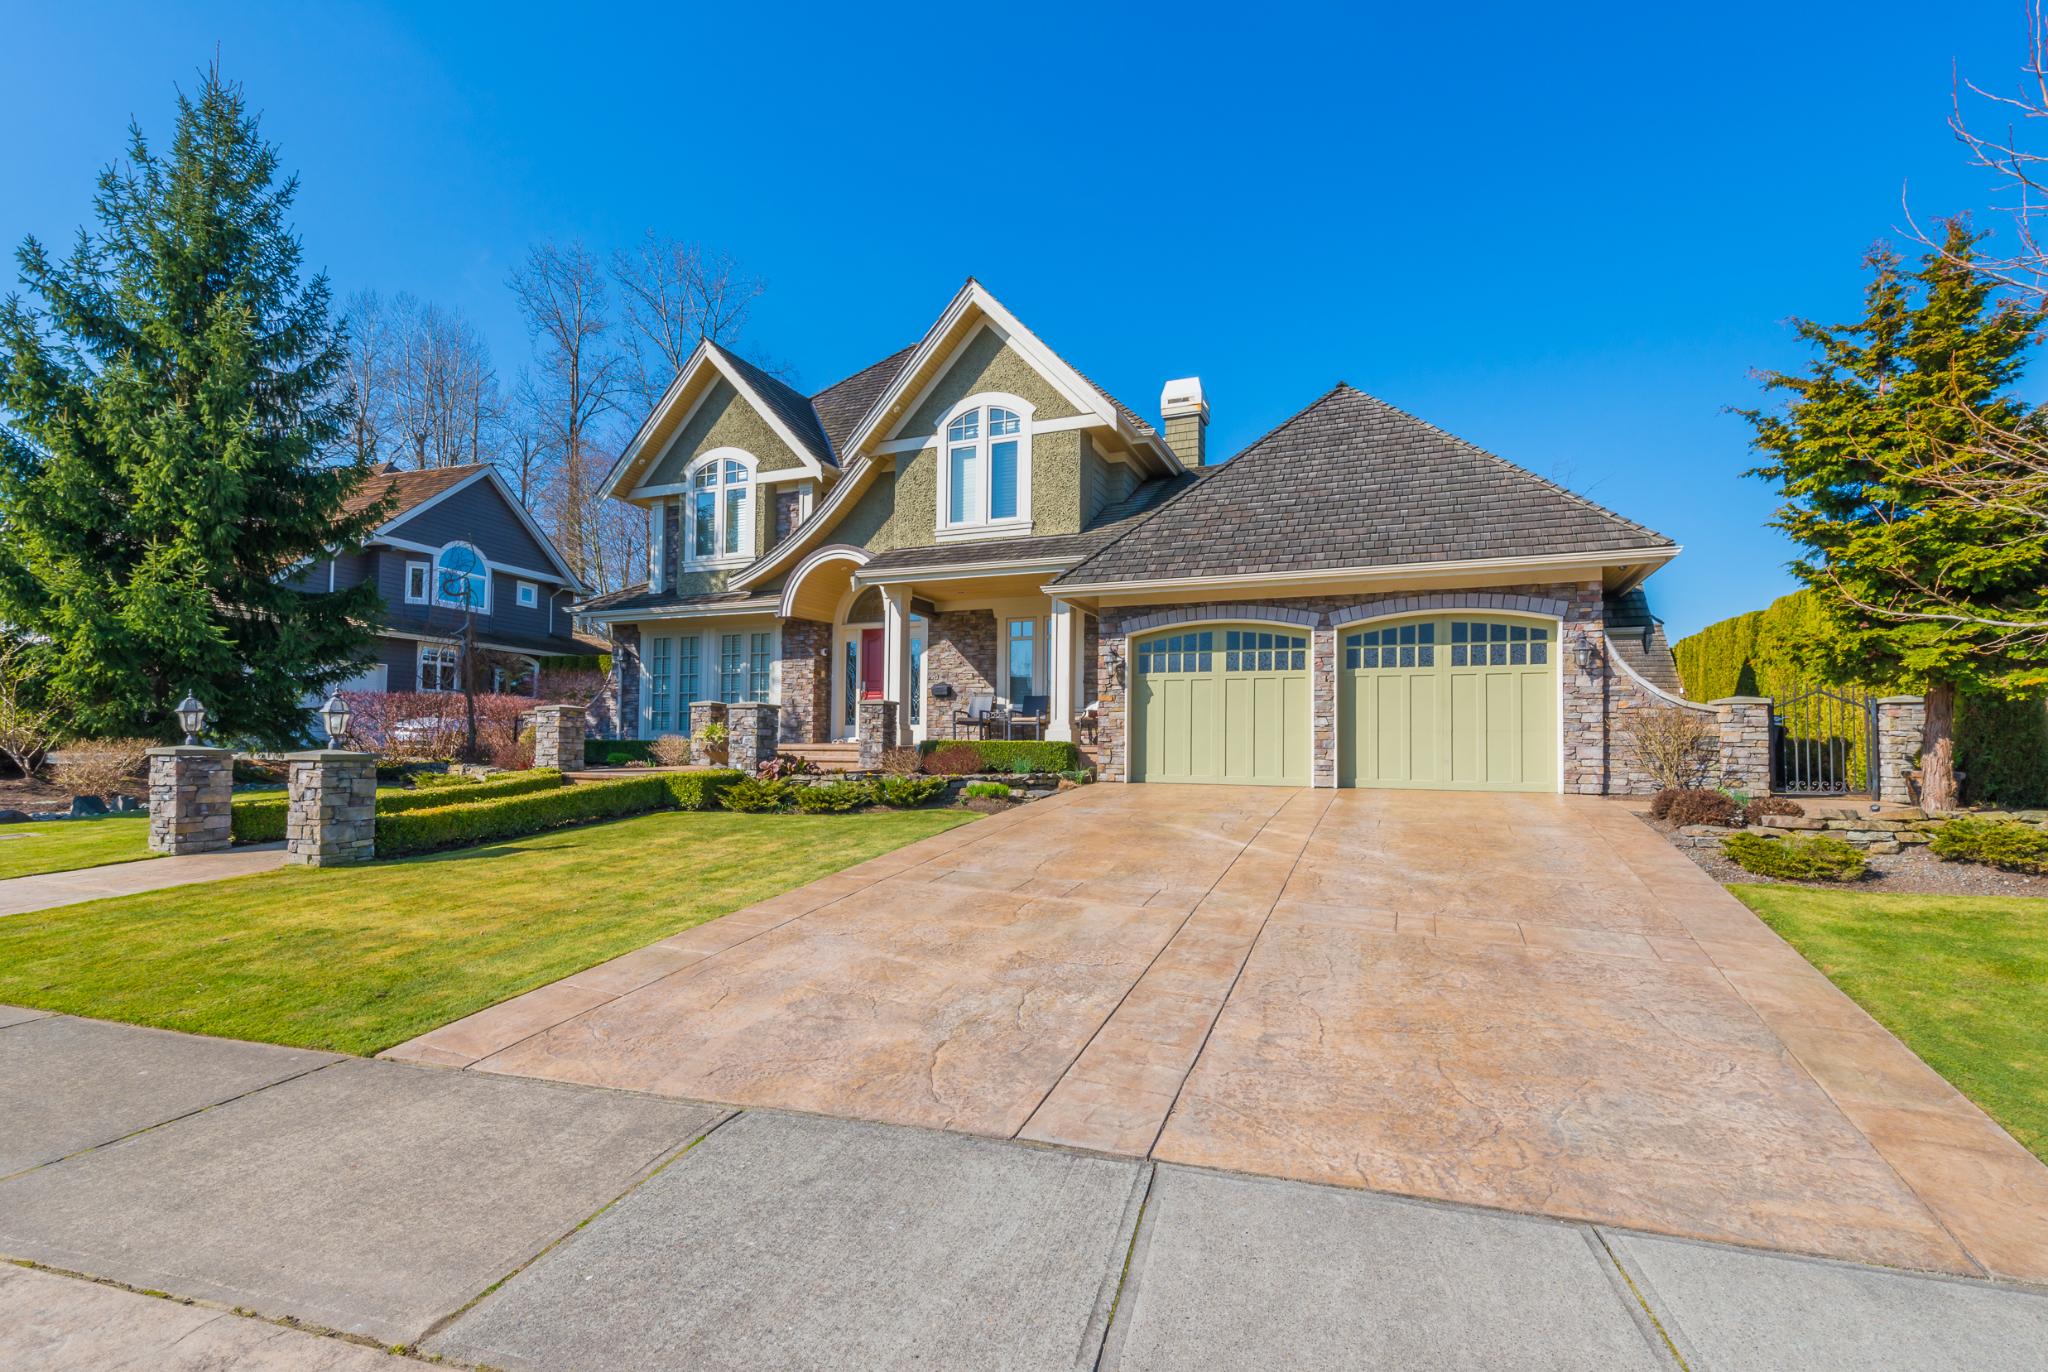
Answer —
1184 415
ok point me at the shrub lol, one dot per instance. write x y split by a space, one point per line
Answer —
1000 754
1080 776
1021 766
487 788
1673 744
1821 857
834 797
250 772
987 790
952 760
615 752
670 750
900 761
102 766
785 765
434 724
1660 804
1702 807
481 821
2000 843
1772 805
442 781
753 796
699 790
909 792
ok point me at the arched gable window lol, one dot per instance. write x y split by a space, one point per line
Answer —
462 578
718 521
985 464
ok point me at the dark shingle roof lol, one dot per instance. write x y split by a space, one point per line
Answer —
1113 522
791 406
409 489
1353 482
844 404
1637 637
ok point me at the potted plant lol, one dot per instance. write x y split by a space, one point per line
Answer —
713 737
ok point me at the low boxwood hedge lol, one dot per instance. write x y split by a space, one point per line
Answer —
616 752
2001 843
1821 857
1003 754
502 817
259 818
484 788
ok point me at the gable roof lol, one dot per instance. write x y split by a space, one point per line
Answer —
786 403
843 404
1353 482
409 490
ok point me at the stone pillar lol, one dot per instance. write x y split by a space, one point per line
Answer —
190 792
558 737
333 809
1322 705
754 730
1901 725
1745 743
878 719
702 713
1111 691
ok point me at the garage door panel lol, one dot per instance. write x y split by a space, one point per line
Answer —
1222 704
1458 701
1468 739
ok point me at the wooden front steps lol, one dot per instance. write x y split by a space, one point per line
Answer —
830 757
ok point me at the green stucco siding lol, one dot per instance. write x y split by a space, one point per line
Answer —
987 364
724 420
1055 482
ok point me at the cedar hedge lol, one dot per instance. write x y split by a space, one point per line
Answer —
2013 846
1822 857
1003 754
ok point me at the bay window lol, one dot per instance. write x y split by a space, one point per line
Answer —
985 465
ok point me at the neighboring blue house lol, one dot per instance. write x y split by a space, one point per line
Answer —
451 525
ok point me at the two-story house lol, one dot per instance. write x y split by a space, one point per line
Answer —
1357 598
455 542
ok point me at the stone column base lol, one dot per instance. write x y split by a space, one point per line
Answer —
332 815
191 795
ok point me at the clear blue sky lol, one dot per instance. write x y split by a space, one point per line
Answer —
1565 232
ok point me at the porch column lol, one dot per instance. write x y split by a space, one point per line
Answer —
896 654
1066 629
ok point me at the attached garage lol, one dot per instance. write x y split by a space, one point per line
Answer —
1221 703
1460 702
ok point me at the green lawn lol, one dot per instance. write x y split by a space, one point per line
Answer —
63 845
357 959
1963 981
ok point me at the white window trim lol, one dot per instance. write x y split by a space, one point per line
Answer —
426 571
419 675
434 577
979 525
528 595
687 524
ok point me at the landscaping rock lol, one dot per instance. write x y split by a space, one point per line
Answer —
1794 822
87 805
1887 847
1913 836
14 817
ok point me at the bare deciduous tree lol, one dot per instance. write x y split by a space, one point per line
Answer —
1675 745
675 294
369 341
27 730
440 387
561 291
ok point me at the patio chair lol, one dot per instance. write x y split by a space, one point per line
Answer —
1029 714
981 709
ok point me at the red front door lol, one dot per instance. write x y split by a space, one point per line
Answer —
870 664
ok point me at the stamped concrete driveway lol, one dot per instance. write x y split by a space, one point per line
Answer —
1525 1002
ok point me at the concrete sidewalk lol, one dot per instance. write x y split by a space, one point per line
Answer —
20 895
529 1224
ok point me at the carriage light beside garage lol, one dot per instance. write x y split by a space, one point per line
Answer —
334 716
191 718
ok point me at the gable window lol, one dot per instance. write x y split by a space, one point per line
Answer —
985 465
719 522
462 578
416 583
529 595
439 669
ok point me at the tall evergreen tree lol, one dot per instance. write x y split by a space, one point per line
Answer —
1926 547
175 408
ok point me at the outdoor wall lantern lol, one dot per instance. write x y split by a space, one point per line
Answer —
192 718
1587 656
334 715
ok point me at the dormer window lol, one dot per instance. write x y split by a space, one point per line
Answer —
462 578
985 466
718 524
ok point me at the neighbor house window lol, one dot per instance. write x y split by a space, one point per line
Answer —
439 669
985 473
661 685
1021 659
721 526
462 578
416 574
529 595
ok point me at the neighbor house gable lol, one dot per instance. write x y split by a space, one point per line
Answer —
477 509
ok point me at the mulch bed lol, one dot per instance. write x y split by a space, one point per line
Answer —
1913 872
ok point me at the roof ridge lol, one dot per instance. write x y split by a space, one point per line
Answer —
1492 456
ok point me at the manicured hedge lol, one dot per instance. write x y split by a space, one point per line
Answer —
700 790
2003 747
616 752
1003 755
482 821
258 819
509 784
2013 846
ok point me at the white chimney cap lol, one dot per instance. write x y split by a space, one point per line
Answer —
1183 396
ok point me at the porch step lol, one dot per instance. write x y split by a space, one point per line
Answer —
830 757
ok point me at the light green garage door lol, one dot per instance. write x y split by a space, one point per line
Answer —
1221 704
1451 703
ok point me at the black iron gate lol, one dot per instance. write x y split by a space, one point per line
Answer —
1824 743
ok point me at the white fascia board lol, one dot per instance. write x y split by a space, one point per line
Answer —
630 455
745 609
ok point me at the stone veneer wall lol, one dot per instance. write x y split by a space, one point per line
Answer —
751 734
806 681
624 687
331 814
702 713
1901 721
960 649
877 732
1591 694
191 794
558 737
